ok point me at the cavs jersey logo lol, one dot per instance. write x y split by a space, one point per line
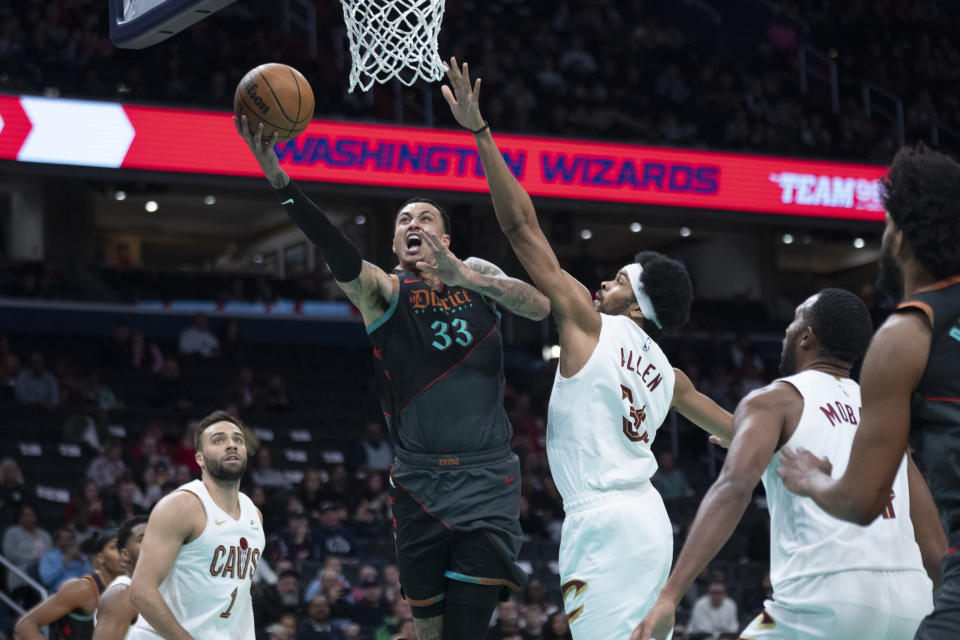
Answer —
631 424
575 587
761 623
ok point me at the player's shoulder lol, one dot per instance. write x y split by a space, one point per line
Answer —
179 504
778 395
77 591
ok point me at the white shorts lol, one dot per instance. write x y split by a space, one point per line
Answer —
615 556
848 605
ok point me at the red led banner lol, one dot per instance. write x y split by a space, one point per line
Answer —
194 141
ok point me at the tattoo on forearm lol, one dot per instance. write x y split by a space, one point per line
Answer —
514 295
429 628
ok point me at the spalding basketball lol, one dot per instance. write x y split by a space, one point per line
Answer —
279 97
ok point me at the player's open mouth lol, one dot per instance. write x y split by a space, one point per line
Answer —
232 458
414 242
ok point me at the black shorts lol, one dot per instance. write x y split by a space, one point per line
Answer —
456 517
944 622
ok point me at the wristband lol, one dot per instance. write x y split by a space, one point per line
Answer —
486 125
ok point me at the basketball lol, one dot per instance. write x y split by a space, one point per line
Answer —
279 97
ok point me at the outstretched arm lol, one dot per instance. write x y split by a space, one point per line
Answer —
569 299
173 521
366 285
115 614
891 371
486 278
759 419
72 594
701 410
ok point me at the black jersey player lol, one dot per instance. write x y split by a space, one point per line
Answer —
439 358
911 374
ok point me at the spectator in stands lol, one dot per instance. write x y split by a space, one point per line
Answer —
272 602
311 490
185 454
265 475
331 585
82 529
171 391
145 356
557 627
63 562
296 541
399 613
197 339
125 504
122 258
408 630
534 622
12 491
391 583
101 393
243 392
371 609
85 423
9 364
714 615
87 499
374 452
233 345
36 385
276 398
508 621
332 536
107 468
535 594
317 626
24 544
670 481
117 354
232 260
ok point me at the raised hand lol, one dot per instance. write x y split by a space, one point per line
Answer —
440 266
463 98
657 623
798 469
263 151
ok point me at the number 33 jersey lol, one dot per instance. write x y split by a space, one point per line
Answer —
603 419
439 361
208 588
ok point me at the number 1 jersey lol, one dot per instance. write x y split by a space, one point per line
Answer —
439 362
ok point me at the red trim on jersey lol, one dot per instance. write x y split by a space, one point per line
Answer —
942 399
952 550
457 364
397 482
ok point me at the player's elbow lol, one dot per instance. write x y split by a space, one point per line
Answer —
137 592
21 631
864 512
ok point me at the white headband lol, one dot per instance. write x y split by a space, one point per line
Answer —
634 271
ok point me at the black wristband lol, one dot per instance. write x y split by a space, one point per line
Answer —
338 252
486 125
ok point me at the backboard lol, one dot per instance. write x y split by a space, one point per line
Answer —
136 24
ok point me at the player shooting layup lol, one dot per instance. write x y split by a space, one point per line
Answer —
201 548
455 484
613 390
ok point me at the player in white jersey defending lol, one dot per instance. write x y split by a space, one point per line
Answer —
115 614
201 548
614 387
831 579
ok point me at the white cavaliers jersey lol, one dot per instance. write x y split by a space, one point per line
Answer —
208 588
804 539
602 421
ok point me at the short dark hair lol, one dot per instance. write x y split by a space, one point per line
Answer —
668 284
434 203
126 529
842 324
215 417
921 192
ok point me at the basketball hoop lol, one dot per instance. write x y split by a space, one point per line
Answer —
393 39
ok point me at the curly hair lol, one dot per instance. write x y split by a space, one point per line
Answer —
921 192
667 283
126 529
842 324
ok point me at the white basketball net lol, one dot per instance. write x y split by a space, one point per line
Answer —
393 39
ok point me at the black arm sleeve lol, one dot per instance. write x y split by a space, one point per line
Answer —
338 252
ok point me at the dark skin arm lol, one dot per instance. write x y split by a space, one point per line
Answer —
79 593
891 371
760 422
927 528
701 410
114 615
